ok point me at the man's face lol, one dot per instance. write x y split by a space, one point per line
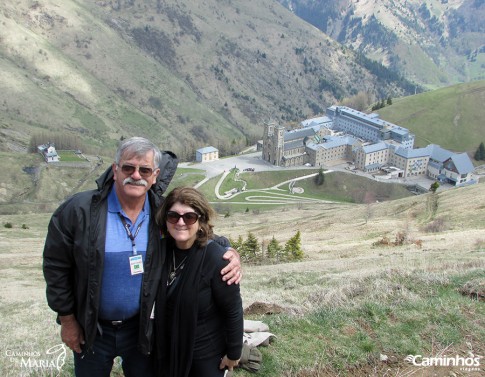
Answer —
134 176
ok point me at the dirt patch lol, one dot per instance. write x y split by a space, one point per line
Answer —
263 308
474 289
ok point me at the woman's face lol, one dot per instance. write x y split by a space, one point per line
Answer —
183 234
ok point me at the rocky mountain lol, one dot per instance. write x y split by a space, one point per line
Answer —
435 43
185 74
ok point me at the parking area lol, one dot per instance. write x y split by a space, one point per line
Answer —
251 161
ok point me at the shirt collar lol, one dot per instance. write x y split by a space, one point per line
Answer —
114 205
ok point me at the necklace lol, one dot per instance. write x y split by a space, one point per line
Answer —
173 273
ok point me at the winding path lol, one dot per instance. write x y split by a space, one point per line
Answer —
268 195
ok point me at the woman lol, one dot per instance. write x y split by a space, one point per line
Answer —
199 318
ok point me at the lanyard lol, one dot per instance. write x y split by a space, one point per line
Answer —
131 235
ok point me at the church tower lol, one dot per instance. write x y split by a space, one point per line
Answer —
273 143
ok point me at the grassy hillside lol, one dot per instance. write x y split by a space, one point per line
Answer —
185 76
352 299
451 117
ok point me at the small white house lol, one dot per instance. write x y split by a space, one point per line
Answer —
206 154
48 151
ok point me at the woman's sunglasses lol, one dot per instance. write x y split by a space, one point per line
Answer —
189 217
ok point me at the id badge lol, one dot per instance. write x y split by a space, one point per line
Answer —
136 264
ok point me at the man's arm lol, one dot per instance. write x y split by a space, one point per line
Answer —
71 332
58 269
232 273
58 266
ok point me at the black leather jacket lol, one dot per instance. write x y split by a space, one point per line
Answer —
74 255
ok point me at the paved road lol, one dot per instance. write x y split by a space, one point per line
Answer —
251 160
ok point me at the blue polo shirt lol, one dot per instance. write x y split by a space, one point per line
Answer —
120 290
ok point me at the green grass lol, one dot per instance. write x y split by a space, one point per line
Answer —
341 187
231 183
186 177
411 313
450 117
69 156
260 180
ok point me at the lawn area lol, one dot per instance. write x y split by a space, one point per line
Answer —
391 315
340 187
186 177
69 156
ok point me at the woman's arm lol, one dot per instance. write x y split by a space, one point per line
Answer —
229 303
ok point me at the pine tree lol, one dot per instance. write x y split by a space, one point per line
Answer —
480 153
320 178
251 247
293 249
236 244
274 249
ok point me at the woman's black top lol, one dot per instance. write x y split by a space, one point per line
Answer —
198 315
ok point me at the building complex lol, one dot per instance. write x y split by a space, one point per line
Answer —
370 143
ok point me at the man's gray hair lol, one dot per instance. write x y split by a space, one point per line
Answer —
137 147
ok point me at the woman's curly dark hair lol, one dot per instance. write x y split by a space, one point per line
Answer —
191 197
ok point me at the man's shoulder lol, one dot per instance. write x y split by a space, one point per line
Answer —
215 251
79 200
215 248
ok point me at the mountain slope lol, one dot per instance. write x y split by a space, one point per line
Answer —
181 74
434 43
451 117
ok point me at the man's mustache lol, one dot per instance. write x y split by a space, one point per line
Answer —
131 181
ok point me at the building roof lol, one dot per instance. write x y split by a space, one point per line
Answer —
337 141
332 142
412 153
293 144
371 148
207 150
46 146
319 121
400 131
313 146
299 134
371 119
439 154
373 166
462 163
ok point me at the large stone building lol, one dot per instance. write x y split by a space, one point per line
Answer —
371 143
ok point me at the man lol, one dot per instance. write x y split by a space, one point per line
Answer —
102 262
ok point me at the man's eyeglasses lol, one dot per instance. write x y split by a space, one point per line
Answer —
144 171
189 217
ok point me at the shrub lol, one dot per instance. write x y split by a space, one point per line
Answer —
436 226
8 225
